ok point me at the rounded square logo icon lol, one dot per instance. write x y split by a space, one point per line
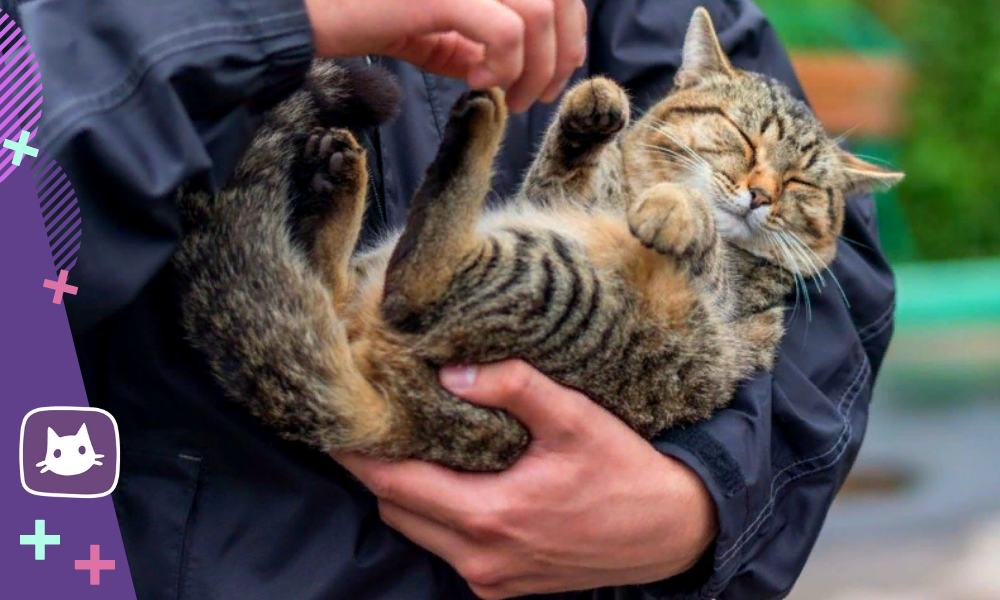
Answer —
69 452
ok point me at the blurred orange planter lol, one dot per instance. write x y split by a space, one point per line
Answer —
852 90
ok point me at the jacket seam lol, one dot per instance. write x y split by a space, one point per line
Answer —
867 332
80 108
432 102
137 69
853 391
877 332
183 572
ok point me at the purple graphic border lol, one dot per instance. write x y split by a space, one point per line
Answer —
39 367
20 91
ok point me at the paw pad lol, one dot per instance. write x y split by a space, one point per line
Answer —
596 107
337 157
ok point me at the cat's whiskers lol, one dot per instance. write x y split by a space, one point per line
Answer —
843 137
874 159
799 279
666 130
678 157
799 241
769 238
856 243
796 246
673 137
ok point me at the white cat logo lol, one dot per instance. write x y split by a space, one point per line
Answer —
69 454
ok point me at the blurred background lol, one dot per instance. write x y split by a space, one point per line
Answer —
916 83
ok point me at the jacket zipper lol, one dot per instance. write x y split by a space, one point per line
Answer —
377 146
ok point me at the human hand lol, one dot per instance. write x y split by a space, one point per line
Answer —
529 47
589 504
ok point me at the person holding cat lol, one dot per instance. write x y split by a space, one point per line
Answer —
212 504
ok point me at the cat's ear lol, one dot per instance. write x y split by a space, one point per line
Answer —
83 432
702 55
51 437
860 176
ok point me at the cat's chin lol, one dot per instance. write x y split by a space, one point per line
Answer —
734 229
737 232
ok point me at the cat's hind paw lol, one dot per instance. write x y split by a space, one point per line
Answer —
337 160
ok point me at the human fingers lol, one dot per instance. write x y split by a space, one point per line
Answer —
501 31
448 497
427 533
571 52
551 412
539 52
447 54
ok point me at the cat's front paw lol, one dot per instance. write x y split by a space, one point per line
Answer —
669 222
594 110
337 161
479 117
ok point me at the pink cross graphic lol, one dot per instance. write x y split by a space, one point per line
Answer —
60 287
95 565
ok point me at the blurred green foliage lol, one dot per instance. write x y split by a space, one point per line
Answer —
952 147
828 25
950 200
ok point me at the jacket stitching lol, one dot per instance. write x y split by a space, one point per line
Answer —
137 69
877 332
877 322
840 446
125 90
80 108
843 439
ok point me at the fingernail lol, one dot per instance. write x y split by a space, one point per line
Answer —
458 378
481 77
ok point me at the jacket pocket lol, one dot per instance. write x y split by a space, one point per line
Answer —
154 503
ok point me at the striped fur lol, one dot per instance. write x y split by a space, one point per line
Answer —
619 269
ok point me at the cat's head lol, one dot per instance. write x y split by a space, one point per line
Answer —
69 454
775 179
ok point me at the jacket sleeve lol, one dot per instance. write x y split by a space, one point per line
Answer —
774 459
141 96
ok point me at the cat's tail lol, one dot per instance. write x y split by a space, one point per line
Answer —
253 303
351 94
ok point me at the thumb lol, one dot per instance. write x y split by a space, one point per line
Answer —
548 410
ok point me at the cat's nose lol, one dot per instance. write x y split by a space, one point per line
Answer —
759 197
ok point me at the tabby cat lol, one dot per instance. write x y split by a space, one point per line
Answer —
644 264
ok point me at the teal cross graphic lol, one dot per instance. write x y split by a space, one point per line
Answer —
39 540
20 148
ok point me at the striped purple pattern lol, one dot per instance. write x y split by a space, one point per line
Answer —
20 90
60 213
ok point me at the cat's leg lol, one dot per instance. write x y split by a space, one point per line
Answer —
257 309
590 117
441 231
678 224
332 181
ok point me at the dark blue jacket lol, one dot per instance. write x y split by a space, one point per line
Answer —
141 95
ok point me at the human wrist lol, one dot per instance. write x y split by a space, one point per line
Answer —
723 478
326 40
697 530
